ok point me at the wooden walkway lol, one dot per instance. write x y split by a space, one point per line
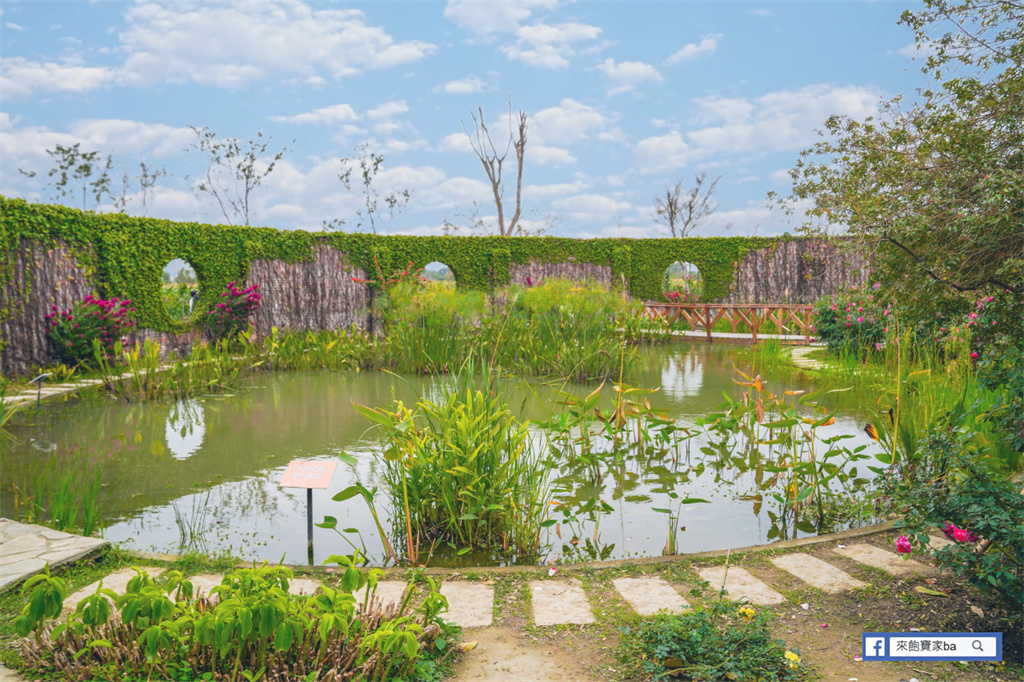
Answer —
793 321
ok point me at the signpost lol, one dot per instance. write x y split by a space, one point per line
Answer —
308 474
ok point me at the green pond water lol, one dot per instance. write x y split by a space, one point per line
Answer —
214 463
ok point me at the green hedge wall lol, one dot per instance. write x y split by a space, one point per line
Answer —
126 255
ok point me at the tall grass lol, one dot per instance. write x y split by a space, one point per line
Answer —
464 471
62 493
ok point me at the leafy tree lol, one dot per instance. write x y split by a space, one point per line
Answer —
935 194
683 209
233 171
77 171
358 175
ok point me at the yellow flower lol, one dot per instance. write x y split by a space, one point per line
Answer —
747 613
794 660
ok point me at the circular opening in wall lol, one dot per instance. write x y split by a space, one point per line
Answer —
179 289
682 283
438 274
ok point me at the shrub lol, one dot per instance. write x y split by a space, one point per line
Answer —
231 316
74 331
250 627
723 641
955 487
851 321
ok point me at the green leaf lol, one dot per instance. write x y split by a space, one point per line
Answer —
283 637
346 494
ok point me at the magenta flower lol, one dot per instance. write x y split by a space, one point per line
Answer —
974 355
903 545
962 535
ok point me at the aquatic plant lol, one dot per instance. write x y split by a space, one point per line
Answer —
462 470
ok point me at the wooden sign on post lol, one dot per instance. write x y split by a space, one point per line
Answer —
308 474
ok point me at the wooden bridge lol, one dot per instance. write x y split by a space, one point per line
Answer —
792 322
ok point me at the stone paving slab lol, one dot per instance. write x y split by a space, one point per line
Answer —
647 596
739 583
25 549
817 573
470 605
388 592
203 583
116 581
560 602
303 586
890 562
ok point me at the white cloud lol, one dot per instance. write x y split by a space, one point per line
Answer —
388 110
780 177
916 51
336 113
487 18
549 46
456 142
462 86
625 76
708 44
131 137
589 207
781 120
549 155
14 27
664 152
556 189
566 123
180 43
762 13
20 76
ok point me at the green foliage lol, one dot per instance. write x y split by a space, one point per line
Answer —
462 470
254 630
125 255
723 641
851 321
62 494
954 485
91 327
935 194
232 314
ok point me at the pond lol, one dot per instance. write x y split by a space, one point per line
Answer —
206 470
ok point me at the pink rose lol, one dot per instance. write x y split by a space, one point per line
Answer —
903 545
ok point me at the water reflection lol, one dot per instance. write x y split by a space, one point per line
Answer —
185 429
160 457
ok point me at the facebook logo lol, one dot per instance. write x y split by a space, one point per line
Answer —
932 646
874 647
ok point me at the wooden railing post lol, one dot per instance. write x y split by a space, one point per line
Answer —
707 322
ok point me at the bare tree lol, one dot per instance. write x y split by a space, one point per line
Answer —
493 163
683 209
232 172
368 165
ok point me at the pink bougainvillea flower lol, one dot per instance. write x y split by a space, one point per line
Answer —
903 545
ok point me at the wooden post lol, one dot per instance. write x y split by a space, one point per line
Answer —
807 326
707 322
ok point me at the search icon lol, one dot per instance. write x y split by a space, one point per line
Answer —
976 644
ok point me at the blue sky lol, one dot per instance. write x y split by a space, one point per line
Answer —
623 99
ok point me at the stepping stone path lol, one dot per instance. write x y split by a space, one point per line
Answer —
739 583
885 560
25 549
648 596
117 581
817 573
470 605
560 602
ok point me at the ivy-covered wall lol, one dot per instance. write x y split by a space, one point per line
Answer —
124 256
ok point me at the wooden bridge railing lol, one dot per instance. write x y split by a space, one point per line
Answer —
753 315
